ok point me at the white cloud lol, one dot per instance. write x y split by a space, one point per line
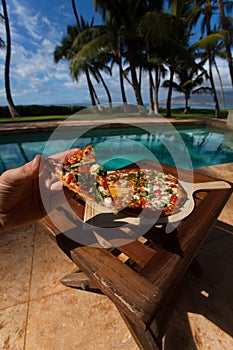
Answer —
28 19
70 84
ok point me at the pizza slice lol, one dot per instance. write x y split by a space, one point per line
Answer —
82 174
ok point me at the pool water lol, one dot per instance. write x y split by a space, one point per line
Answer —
116 148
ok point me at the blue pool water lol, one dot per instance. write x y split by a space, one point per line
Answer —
115 148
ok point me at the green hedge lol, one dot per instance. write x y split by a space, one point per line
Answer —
39 110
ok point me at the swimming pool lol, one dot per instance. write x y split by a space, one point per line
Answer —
118 147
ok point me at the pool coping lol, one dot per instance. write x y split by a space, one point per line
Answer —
6 128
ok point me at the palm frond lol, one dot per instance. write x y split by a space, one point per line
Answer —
202 90
209 42
154 27
92 49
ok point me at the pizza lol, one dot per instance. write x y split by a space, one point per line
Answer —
131 188
142 188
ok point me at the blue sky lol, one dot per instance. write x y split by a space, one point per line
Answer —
36 28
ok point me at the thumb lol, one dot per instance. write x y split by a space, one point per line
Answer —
26 172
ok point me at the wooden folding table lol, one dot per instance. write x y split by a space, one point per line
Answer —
142 277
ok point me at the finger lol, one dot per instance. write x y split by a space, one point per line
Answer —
26 172
57 186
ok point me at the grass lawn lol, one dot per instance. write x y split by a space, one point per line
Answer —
197 113
176 113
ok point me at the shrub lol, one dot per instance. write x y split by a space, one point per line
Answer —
40 110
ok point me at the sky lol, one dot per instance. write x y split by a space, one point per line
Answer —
37 26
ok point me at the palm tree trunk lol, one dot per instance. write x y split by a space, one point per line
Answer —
226 38
169 94
136 86
135 83
151 85
107 91
186 108
90 87
220 82
214 94
76 16
211 60
122 86
121 73
10 102
94 98
156 90
97 100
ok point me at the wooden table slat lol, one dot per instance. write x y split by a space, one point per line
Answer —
138 252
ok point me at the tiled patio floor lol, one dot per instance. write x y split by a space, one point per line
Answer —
38 313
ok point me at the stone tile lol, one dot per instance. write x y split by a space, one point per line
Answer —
16 251
74 319
221 171
50 264
12 327
227 212
192 331
224 172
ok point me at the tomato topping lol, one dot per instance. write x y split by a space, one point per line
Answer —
69 178
157 193
143 202
174 198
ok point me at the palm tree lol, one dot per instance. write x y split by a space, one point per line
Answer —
215 43
125 15
205 10
190 78
226 32
10 102
143 28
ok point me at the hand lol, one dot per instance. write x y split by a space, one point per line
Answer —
20 201
20 188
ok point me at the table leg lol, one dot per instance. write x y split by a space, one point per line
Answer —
79 280
145 340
